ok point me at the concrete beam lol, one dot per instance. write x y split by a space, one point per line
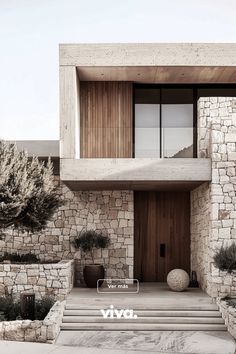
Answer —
148 54
146 170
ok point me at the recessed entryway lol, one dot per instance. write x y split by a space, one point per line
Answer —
161 234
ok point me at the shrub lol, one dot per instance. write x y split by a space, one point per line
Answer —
19 258
10 310
91 239
102 241
225 258
28 195
42 307
230 301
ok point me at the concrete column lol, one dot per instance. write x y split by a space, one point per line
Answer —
69 112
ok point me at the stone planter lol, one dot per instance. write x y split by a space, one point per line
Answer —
229 315
45 331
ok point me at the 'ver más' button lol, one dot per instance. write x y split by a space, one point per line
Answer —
128 286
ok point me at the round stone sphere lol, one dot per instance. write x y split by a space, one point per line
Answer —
178 280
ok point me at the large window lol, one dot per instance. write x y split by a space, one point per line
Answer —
164 122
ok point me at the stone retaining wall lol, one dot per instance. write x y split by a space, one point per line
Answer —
45 331
224 283
43 279
229 315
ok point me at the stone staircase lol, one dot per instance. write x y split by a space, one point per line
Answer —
205 317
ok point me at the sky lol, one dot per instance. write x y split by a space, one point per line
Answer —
30 31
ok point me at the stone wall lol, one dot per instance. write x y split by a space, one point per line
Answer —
217 140
200 202
229 315
43 279
45 331
110 211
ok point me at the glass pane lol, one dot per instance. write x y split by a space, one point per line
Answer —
177 130
147 115
147 130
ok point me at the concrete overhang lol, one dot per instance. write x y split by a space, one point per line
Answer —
152 62
160 74
138 173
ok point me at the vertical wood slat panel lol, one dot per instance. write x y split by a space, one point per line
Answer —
161 218
106 119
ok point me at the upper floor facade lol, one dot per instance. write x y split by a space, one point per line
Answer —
129 113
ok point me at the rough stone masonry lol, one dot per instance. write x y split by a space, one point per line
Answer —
213 206
43 279
109 211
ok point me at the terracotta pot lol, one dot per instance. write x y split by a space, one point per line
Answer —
92 273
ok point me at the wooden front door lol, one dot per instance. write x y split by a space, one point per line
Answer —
161 234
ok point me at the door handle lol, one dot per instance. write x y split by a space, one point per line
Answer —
162 250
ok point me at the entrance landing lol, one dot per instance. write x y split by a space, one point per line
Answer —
150 296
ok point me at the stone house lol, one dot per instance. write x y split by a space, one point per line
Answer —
147 153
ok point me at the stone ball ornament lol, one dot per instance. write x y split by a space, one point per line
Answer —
178 280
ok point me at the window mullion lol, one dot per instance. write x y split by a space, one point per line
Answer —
160 123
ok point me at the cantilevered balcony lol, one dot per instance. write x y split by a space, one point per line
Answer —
138 173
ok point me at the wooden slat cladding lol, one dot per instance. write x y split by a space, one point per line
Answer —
161 219
106 119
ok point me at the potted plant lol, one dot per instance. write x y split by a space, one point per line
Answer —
87 241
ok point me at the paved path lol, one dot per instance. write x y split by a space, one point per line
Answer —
128 343
37 348
175 342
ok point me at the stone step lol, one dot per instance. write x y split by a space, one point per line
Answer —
154 316
151 313
130 326
142 320
141 307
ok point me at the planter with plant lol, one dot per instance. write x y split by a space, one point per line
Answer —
10 309
225 258
225 261
87 242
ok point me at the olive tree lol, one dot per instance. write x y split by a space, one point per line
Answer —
28 196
